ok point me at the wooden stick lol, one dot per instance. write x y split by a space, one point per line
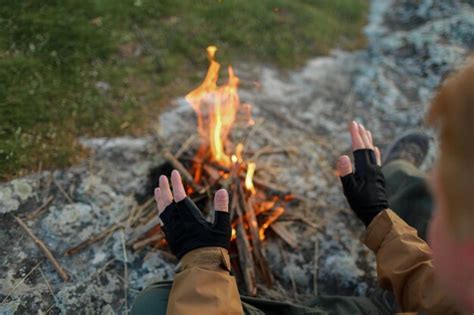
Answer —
94 239
142 243
183 171
22 280
254 235
65 194
125 271
246 262
185 146
40 209
283 233
44 249
141 230
316 267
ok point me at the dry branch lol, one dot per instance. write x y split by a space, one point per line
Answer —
44 249
246 262
40 209
149 240
254 235
284 234
88 242
184 172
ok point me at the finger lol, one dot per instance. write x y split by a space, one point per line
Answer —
221 200
344 166
159 201
378 156
178 189
355 136
166 196
371 140
364 137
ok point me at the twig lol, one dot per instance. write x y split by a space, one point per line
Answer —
65 194
22 280
270 150
40 209
88 242
50 290
47 283
316 267
292 279
144 242
283 233
183 171
125 271
246 262
249 212
44 249
185 146
141 230
103 268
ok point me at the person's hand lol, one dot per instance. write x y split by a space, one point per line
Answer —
364 189
184 225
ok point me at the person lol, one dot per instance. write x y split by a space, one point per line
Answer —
393 202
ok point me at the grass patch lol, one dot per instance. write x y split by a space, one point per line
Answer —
105 67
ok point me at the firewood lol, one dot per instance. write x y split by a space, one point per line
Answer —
182 170
144 242
94 239
280 229
141 230
42 246
254 235
246 262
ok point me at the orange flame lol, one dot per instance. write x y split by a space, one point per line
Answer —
249 177
216 108
272 218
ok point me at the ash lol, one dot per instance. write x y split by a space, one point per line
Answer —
387 86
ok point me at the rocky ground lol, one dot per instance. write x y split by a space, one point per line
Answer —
412 45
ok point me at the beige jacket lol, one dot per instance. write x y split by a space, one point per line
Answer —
404 266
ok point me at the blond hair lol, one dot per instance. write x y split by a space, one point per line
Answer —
452 112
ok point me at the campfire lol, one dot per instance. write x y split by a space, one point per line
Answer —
212 159
219 162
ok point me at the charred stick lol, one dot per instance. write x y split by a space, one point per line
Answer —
184 172
42 246
246 262
284 234
144 242
254 234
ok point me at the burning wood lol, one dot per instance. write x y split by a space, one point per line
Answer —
255 204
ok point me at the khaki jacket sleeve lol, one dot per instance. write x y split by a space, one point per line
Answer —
405 266
204 285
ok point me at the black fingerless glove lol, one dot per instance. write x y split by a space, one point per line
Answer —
365 189
186 228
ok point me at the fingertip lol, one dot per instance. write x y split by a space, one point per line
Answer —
221 200
175 173
344 165
378 156
157 193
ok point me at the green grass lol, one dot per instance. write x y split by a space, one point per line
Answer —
53 54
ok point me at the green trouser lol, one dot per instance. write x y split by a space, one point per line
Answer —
408 197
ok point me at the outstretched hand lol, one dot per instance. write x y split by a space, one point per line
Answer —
364 188
184 225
